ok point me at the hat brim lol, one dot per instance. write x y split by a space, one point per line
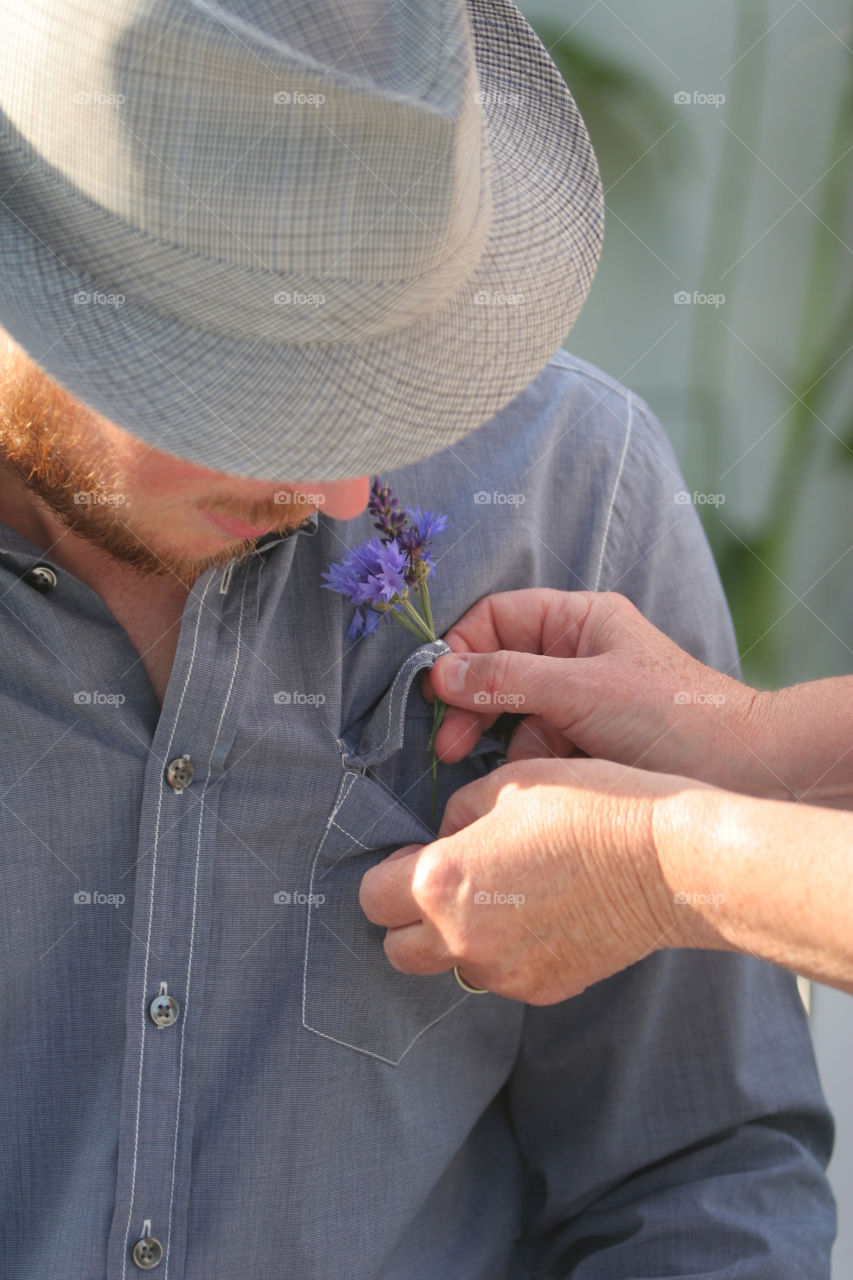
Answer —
307 413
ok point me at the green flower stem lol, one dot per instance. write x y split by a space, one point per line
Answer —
423 595
424 628
418 621
438 710
410 626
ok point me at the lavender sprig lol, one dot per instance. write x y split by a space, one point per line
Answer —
381 576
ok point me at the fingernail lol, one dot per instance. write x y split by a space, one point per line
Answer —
453 673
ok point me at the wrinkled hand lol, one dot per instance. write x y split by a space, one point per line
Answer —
543 879
610 685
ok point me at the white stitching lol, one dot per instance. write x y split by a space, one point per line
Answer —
346 786
628 425
148 939
225 702
402 674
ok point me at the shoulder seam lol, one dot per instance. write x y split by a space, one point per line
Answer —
628 426
591 374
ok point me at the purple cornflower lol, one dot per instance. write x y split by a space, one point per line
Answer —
416 539
379 575
387 574
372 574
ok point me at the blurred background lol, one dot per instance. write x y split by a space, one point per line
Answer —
724 297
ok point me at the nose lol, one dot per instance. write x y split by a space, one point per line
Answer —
340 499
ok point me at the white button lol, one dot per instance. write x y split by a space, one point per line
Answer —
147 1253
42 577
164 1010
179 773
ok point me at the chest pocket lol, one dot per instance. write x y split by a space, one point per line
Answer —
352 994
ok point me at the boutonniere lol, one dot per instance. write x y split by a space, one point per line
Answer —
387 576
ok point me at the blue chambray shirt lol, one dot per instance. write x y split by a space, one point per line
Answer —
300 1109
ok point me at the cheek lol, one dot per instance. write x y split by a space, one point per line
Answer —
158 479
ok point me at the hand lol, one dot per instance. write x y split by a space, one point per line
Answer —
611 685
544 879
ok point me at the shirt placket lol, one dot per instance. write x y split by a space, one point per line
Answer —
173 876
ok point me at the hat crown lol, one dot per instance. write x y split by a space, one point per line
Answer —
298 138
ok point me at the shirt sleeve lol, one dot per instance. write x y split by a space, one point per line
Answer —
670 1117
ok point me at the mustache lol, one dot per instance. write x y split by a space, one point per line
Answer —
286 511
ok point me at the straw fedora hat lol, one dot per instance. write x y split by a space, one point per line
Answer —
290 240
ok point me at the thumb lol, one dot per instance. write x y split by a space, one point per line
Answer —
558 689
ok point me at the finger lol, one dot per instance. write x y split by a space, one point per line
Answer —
523 620
385 893
536 737
470 803
460 730
459 734
418 948
559 689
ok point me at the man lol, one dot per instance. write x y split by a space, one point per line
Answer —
210 1066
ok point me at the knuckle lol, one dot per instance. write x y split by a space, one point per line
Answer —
434 882
499 672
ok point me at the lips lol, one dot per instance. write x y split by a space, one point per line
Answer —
236 528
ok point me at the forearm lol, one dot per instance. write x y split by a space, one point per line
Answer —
802 744
761 877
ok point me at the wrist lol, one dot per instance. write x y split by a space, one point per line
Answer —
689 828
797 744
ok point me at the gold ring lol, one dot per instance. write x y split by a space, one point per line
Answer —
475 991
